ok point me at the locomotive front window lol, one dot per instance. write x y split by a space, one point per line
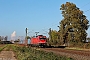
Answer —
42 38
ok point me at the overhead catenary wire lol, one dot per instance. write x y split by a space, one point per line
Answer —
46 29
85 5
87 10
82 7
58 23
53 25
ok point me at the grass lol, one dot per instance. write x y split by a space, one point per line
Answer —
2 47
23 53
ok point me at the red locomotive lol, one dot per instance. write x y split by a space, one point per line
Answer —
39 40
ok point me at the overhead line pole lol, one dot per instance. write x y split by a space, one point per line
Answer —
50 37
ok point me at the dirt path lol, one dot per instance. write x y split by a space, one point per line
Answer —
7 55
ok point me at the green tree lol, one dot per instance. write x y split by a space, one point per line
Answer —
0 38
74 24
88 38
54 37
17 41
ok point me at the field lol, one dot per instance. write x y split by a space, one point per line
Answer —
2 47
24 53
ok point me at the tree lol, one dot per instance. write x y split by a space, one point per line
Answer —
54 37
27 37
17 41
88 38
6 38
0 38
74 24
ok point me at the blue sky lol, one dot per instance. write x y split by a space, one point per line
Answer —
36 15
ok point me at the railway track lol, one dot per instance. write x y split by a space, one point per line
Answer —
76 54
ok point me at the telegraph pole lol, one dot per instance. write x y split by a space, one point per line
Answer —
50 37
26 40
26 31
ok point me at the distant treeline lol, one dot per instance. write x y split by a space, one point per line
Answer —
5 42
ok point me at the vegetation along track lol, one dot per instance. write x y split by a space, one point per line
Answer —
76 54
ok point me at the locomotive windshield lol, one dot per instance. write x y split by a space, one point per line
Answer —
42 38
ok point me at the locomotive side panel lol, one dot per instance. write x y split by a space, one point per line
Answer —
34 40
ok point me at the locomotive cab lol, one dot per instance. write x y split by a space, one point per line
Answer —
39 40
42 41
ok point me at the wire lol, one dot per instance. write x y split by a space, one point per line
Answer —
87 10
85 4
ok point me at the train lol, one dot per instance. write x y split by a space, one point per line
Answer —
38 41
